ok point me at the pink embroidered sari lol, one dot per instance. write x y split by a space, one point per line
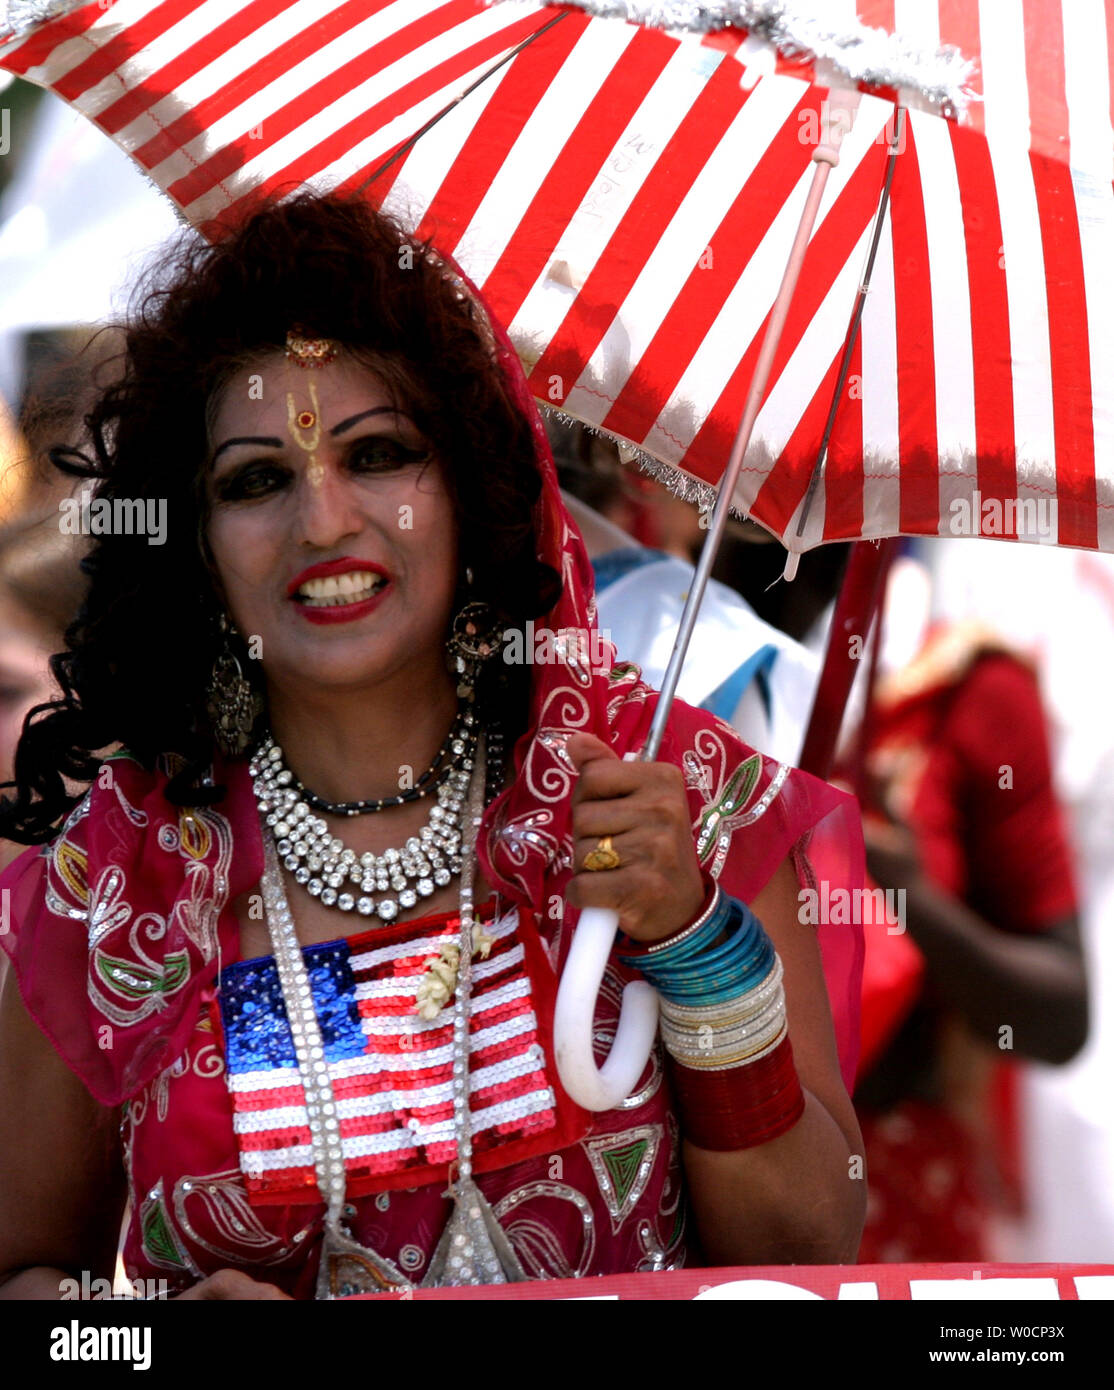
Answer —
127 955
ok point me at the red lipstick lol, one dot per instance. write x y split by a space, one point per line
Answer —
341 612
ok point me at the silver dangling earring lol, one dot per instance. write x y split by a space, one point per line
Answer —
232 702
476 636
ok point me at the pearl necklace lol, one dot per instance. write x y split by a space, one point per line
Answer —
323 864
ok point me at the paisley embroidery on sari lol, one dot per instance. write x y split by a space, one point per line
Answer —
536 1243
128 983
67 887
729 797
672 1216
160 1242
221 1200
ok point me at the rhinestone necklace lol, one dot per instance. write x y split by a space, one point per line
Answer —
381 884
369 884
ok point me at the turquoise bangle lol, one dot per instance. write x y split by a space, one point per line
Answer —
698 948
716 909
693 972
707 989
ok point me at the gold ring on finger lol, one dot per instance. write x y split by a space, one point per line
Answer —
604 856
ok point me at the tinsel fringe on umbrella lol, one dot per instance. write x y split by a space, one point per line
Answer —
855 52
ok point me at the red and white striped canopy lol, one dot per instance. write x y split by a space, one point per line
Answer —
626 200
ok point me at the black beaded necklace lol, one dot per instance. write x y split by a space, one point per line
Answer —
457 743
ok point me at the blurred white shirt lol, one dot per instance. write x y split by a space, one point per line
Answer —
641 611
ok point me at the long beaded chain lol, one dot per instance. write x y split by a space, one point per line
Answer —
473 1248
322 1114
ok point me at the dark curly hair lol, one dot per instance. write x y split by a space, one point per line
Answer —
139 655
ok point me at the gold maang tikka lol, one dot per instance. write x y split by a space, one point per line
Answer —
305 425
304 350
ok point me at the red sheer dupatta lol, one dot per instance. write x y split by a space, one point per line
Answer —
122 920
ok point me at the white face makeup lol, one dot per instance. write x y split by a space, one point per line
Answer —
332 531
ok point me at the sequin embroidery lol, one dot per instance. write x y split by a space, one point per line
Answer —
391 1069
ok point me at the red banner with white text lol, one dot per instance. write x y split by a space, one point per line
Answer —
1023 1282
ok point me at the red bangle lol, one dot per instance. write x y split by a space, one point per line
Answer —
739 1107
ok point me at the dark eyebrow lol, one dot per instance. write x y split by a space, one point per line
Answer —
245 439
364 415
277 443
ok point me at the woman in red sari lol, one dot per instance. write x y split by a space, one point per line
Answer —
958 765
265 990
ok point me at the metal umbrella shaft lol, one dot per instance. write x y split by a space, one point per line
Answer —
590 1086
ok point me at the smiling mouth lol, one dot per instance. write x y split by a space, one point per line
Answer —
339 590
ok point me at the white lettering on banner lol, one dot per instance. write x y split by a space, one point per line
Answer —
1093 1286
984 1288
855 1283
746 1290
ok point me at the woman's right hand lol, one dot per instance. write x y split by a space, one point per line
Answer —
232 1284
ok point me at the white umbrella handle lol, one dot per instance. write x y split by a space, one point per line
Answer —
592 1087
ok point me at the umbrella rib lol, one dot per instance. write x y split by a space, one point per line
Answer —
412 140
856 320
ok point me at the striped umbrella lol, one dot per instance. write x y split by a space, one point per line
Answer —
626 199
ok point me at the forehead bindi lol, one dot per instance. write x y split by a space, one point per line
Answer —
262 399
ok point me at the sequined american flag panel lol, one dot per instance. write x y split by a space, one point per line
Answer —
391 1069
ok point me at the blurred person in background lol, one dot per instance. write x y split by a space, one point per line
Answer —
802 608
644 543
960 812
40 582
1057 607
40 590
